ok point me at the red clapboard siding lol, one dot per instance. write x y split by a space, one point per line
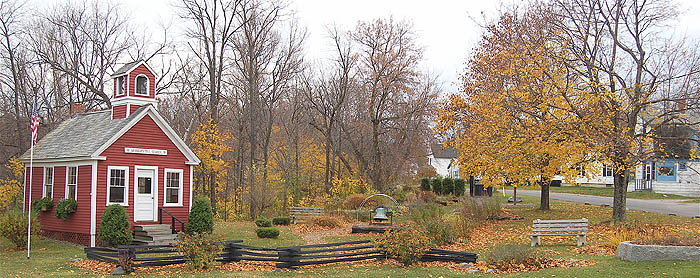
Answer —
146 135
78 222
151 82
119 111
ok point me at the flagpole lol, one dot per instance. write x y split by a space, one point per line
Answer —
29 208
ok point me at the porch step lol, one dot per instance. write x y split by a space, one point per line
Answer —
152 227
156 234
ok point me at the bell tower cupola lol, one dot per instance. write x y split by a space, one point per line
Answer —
134 86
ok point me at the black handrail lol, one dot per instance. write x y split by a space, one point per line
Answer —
172 220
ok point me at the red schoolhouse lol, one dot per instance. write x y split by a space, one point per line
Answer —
127 155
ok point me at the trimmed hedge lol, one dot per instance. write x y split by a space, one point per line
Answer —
262 222
460 187
437 185
425 184
447 186
201 218
267 232
114 226
65 207
284 220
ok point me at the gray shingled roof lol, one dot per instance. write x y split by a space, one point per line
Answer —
440 152
125 68
79 136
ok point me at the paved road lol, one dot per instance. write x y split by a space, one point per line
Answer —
675 207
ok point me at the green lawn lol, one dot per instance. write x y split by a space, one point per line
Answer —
608 192
50 258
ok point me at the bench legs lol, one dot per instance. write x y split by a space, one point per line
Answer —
581 240
294 220
535 241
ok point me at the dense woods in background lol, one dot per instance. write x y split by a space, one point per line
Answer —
272 128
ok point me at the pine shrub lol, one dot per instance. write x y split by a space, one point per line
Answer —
43 204
267 232
201 218
447 186
114 226
13 226
65 207
262 222
437 185
425 184
283 220
459 187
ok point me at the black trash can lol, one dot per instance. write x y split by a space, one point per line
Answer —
555 183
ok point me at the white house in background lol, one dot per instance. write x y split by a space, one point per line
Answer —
444 160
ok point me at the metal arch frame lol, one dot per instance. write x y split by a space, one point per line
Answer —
379 194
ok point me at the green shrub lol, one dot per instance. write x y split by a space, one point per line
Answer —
459 187
511 253
425 184
114 226
431 218
283 220
199 249
267 232
447 186
43 204
201 218
406 244
262 222
13 226
65 207
324 221
437 185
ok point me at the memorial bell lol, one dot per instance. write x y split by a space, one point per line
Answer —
380 214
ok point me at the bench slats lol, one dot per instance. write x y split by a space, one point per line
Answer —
560 225
556 235
560 230
540 221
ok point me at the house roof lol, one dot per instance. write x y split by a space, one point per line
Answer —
127 68
87 135
439 152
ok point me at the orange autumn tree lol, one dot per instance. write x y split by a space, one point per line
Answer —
505 121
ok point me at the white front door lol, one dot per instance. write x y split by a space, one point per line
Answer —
144 197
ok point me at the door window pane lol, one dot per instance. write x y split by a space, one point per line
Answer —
144 185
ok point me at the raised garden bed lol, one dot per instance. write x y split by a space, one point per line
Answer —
639 253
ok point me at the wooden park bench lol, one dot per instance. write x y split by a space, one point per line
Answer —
300 212
570 227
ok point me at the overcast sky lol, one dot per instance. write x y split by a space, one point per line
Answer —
444 28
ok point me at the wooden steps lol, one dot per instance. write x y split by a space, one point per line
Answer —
157 234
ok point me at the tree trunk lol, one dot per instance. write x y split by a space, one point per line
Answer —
620 195
544 194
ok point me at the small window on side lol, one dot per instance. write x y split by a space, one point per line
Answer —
142 85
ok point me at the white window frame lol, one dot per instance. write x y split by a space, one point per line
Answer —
606 169
44 184
123 86
165 187
126 184
67 182
136 85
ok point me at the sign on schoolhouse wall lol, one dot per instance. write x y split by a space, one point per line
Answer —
146 151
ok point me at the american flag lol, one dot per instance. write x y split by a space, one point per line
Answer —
34 125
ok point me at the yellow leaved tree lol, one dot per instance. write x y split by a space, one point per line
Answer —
11 187
209 144
506 121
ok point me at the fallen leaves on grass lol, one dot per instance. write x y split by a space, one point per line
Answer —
595 250
96 266
249 266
